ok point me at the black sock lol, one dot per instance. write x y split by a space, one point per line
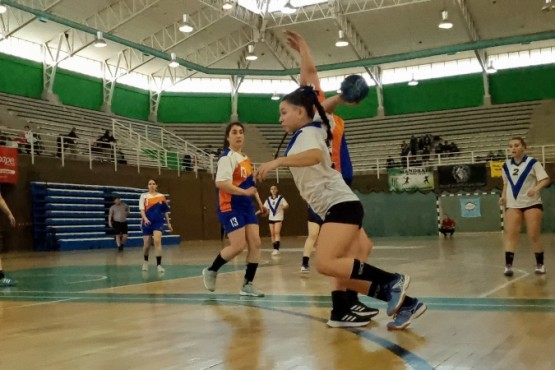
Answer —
158 260
277 245
509 257
146 257
305 261
250 272
364 271
539 258
218 262
377 292
274 245
2 274
339 301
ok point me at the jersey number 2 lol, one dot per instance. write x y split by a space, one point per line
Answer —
515 172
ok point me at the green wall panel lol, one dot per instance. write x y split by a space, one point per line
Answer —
258 108
431 95
194 108
78 90
20 77
523 84
130 102
399 214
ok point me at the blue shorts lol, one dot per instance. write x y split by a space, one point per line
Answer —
235 220
152 227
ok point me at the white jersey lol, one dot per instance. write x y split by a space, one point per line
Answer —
320 185
519 179
275 207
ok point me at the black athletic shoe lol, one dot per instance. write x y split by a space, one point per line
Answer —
347 320
363 310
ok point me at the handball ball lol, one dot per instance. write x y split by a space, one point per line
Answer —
354 89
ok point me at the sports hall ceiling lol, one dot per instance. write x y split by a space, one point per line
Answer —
375 28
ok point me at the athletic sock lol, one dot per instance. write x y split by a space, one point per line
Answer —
250 272
218 262
364 271
509 257
539 258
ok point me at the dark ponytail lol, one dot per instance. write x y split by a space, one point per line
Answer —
306 97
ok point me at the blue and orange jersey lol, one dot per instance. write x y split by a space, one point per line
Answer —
155 206
340 156
237 168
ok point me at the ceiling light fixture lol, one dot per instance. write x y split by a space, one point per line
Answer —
413 81
227 5
251 55
186 26
3 9
341 42
445 24
99 42
288 8
548 6
491 68
173 62
275 96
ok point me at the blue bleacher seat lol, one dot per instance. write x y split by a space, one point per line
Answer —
75 217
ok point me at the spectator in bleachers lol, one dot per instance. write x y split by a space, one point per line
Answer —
121 157
28 139
104 144
117 220
70 141
426 154
187 163
500 155
4 281
454 149
390 163
404 149
3 139
413 145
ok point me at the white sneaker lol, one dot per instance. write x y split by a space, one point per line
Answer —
305 269
145 266
275 252
540 269
161 269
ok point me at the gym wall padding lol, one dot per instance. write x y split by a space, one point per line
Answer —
548 199
523 84
399 214
490 219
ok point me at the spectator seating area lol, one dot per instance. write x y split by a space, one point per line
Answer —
75 217
480 129
51 120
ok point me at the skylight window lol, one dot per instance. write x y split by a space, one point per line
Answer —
276 5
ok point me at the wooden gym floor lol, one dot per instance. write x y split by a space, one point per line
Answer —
97 310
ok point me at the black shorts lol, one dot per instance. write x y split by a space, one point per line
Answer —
350 213
274 222
535 206
119 227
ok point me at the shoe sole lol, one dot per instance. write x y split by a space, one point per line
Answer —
414 316
342 324
250 294
204 282
406 284
509 273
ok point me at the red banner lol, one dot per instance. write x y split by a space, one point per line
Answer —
8 165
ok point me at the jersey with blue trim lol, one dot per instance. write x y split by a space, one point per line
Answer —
155 206
237 168
275 207
320 185
519 178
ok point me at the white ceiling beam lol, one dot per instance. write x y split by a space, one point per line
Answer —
238 12
325 11
117 14
19 19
